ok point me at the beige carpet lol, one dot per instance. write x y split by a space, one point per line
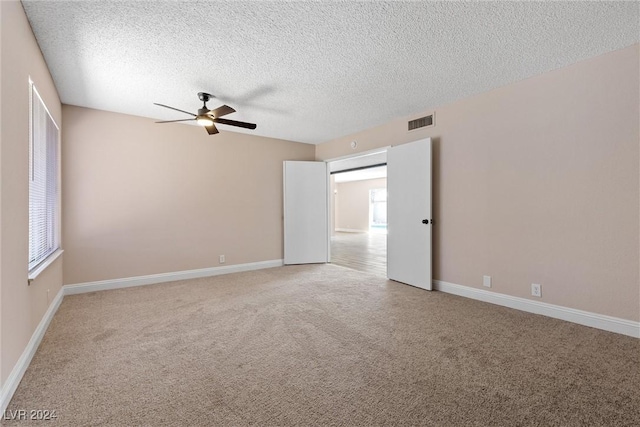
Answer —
322 345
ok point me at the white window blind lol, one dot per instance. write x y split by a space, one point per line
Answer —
43 182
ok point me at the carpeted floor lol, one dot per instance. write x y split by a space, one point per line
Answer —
322 345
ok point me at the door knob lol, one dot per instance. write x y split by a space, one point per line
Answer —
425 221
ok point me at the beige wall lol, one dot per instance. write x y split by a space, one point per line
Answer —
21 306
144 198
538 182
353 203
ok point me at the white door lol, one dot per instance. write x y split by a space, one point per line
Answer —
409 218
306 212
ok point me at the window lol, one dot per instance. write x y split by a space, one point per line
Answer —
378 209
43 181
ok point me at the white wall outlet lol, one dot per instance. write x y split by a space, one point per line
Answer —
536 290
486 281
221 259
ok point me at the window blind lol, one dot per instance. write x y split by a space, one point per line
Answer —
43 182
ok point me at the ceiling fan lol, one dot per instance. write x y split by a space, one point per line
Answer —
208 118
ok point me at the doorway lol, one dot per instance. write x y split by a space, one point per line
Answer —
409 211
359 212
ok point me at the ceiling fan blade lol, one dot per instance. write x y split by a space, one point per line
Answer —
211 130
221 111
182 111
172 121
235 123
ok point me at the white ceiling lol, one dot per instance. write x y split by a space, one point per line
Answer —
312 71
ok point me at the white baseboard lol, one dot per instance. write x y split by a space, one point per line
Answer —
11 384
81 288
350 230
594 320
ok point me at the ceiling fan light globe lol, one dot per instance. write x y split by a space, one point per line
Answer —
204 121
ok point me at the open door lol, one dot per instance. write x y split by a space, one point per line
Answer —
306 239
409 218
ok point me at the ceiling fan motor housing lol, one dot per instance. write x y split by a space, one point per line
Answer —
204 97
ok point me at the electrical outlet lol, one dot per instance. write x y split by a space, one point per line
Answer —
221 259
536 290
486 281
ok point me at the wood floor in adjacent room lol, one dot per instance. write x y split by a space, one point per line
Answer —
361 251
321 345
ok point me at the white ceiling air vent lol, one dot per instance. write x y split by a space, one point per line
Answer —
422 122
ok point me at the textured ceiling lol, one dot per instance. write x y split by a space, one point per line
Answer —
312 71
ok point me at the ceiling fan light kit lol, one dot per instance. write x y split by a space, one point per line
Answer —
208 118
203 120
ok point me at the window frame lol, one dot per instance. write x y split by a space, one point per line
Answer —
37 266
